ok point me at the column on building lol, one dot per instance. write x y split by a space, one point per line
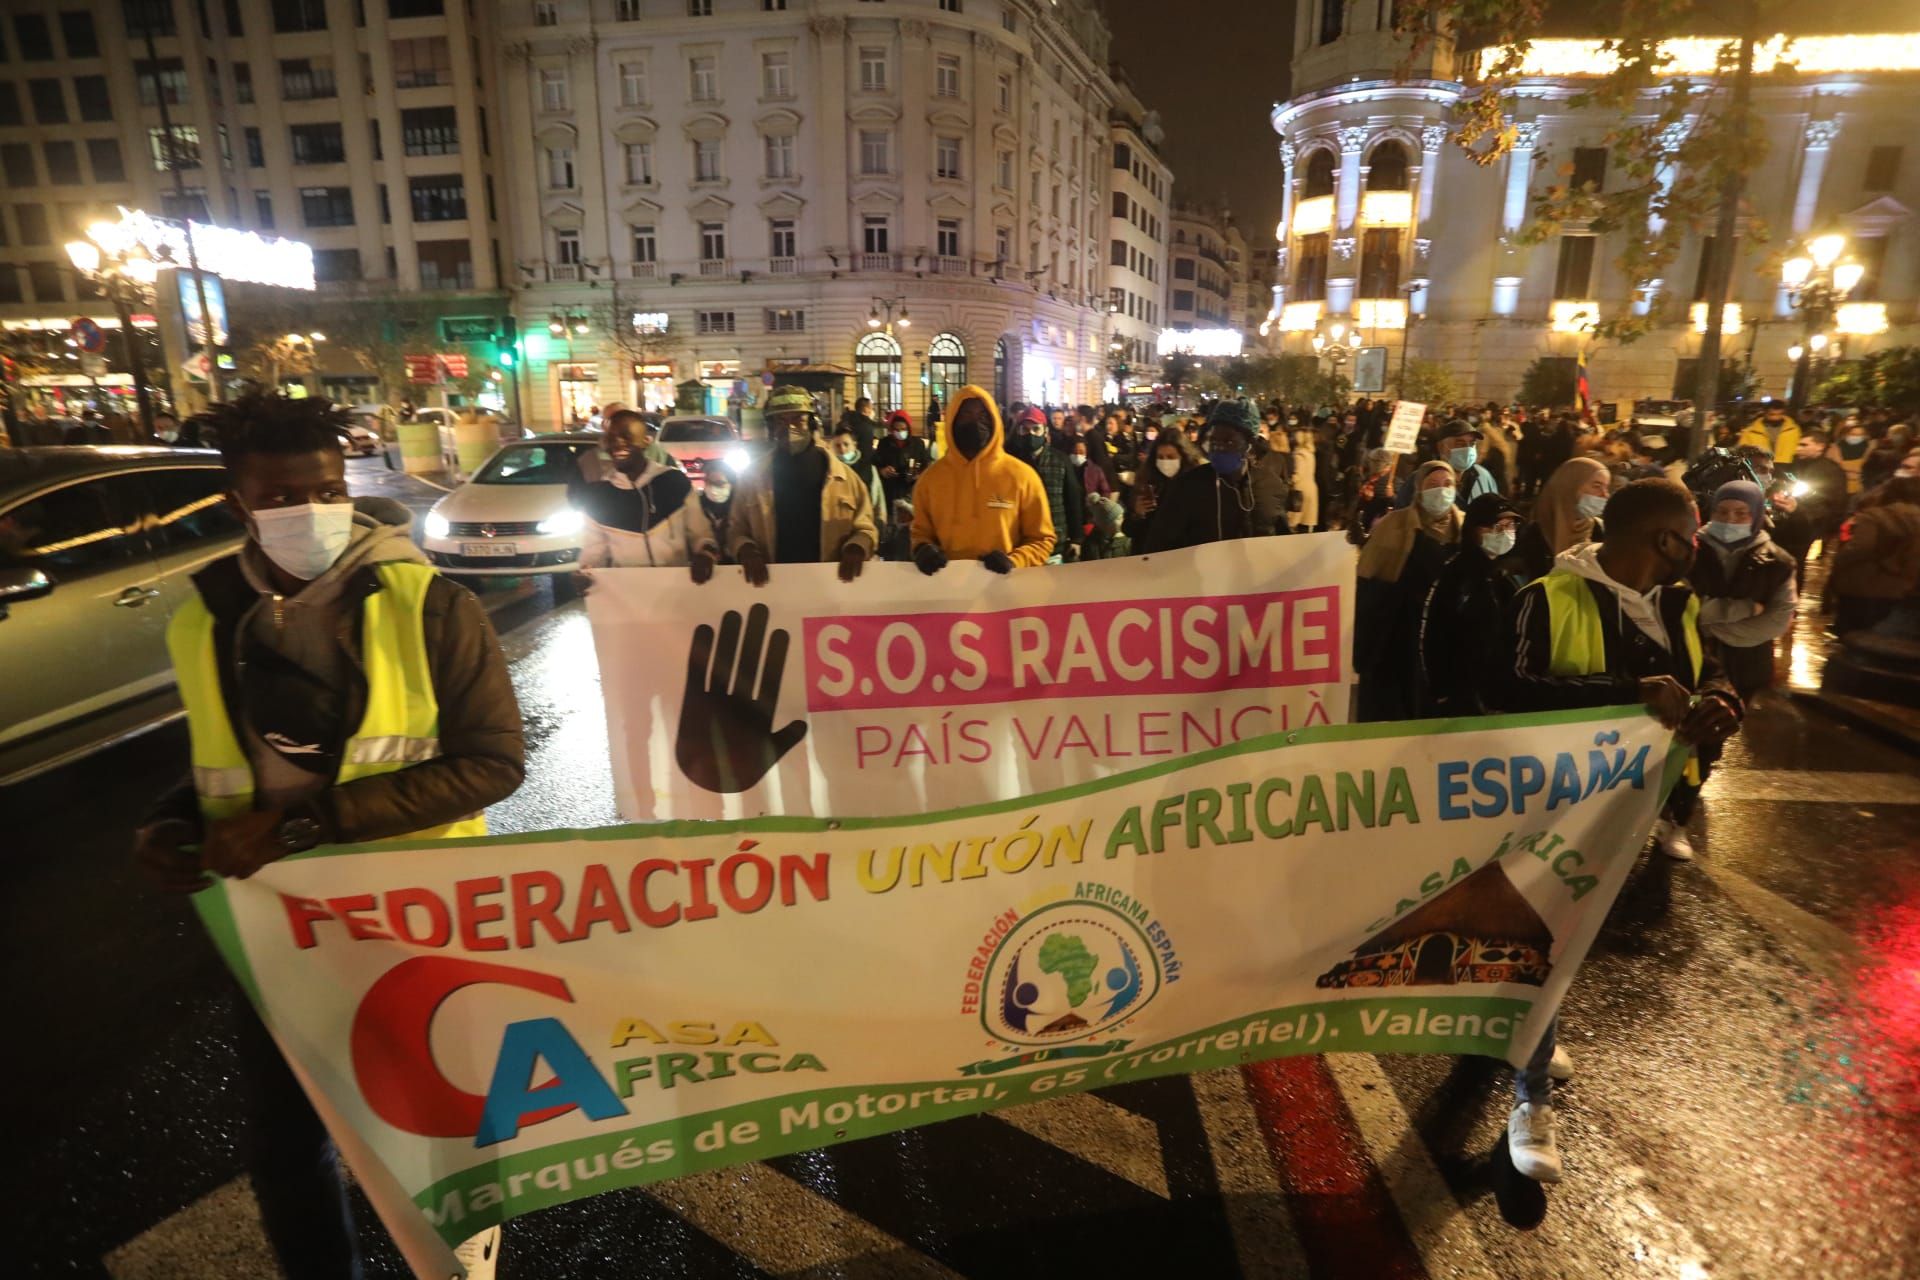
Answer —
915 159
834 224
1344 261
1433 140
983 103
1513 216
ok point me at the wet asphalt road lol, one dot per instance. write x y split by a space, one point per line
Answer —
1746 1033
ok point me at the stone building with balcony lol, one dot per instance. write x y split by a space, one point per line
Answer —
1139 234
1391 230
1207 289
916 192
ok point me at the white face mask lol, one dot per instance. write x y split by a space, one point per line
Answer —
1168 467
1435 501
1079 459
1591 506
305 540
1497 542
719 491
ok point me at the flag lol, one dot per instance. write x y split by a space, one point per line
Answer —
1582 392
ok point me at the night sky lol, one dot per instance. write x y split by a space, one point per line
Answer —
1213 70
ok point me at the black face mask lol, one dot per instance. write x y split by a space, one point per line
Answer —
1684 565
970 436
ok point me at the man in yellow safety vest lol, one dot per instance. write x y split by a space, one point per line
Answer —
338 690
1613 623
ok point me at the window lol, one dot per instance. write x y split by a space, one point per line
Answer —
304 79
292 15
699 8
873 70
645 248
1122 207
1002 244
703 75
76 28
1574 275
336 264
1387 168
1117 255
560 168
946 76
546 13
706 160
713 241
430 131
950 6
263 209
786 320
165 78
192 508
49 103
63 164
875 151
779 155
33 36
1183 268
191 203
16 161
422 62
780 238
184 153
553 89
875 233
256 149
142 17
10 102
946 237
1005 99
103 156
633 84
415 8
1003 170
713 322
1007 17
243 83
1319 181
438 198
566 248
1310 272
1331 12
774 6
626 11
326 206
1883 169
946 157
1380 262
1590 168
639 164
80 530
318 144
1183 299
1871 253
775 78
445 264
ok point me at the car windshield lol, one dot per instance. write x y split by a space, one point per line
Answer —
695 431
533 464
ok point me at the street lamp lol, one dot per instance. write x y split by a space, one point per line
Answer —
874 320
1335 342
1817 282
124 273
568 325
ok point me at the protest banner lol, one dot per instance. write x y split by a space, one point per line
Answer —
1403 429
901 692
498 1025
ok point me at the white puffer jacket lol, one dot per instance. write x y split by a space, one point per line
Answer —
669 543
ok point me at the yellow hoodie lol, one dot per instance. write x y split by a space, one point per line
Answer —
992 502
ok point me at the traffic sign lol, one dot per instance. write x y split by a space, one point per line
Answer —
469 328
88 333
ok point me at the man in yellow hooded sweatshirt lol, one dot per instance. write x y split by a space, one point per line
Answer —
977 502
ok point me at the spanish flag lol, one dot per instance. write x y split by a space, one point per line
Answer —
1582 392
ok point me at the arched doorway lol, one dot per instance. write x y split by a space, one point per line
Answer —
946 369
876 366
1435 961
1001 386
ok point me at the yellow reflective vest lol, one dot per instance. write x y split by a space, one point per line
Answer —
401 726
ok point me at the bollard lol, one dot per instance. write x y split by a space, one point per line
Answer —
420 448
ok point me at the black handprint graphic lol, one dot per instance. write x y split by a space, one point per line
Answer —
727 741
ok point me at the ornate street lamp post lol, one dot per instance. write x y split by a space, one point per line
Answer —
1817 282
125 278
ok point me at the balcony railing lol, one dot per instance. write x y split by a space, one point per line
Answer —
642 270
563 271
876 262
713 266
946 265
782 266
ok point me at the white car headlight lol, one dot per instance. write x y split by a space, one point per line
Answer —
437 525
562 523
737 459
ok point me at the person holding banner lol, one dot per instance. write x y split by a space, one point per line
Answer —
1399 562
977 502
1613 623
338 690
640 513
797 503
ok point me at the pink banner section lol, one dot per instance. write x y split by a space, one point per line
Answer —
1100 649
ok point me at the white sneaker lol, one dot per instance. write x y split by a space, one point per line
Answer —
1560 1067
1671 839
480 1254
1530 1142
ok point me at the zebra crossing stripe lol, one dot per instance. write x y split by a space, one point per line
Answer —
1091 1129
217 1235
1800 784
1251 1195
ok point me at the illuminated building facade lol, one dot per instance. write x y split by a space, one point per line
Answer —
1138 236
1390 228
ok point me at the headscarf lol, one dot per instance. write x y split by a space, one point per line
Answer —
1390 544
1748 492
1557 511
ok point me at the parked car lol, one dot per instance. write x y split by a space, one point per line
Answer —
512 518
97 545
698 443
362 441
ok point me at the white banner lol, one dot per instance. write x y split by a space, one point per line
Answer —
901 693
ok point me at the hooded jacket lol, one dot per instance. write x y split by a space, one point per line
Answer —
295 687
968 507
648 522
1784 446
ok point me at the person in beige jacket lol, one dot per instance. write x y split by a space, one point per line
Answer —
797 503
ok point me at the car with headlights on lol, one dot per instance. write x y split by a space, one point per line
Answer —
512 518
699 444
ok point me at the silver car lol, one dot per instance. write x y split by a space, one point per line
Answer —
97 546
513 518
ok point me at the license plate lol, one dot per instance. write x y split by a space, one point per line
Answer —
489 548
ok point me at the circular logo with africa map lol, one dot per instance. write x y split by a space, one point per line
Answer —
1069 970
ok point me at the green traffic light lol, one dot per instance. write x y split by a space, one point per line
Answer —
507 357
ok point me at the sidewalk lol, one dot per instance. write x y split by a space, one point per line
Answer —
1801 664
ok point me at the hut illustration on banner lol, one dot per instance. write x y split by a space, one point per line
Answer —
1480 930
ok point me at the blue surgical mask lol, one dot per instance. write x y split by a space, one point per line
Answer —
1461 459
1436 501
850 457
1228 464
1497 542
1725 531
1591 506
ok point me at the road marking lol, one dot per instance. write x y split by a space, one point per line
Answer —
1821 946
1800 784
1251 1196
1440 1227
216 1236
1096 1131
784 1228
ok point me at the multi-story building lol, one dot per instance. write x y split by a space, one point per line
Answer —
1207 289
1261 278
358 126
1139 232
1366 240
714 190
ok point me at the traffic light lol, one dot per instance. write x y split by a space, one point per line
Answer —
507 350
506 356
